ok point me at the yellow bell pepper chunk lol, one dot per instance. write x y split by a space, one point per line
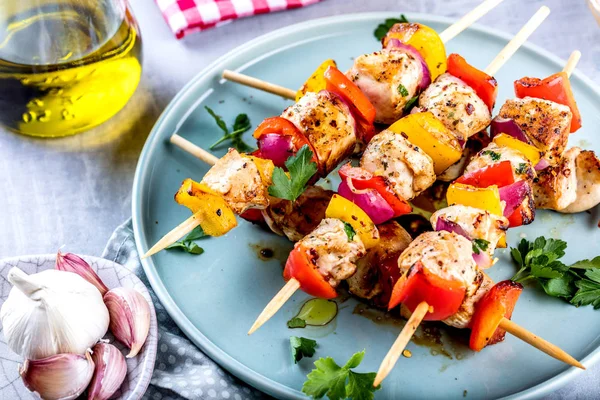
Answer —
529 151
483 198
316 82
502 242
216 217
265 169
424 130
426 41
349 212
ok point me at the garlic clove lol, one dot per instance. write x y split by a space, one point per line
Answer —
129 317
63 376
73 263
109 371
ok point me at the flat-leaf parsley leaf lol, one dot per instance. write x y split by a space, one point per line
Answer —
300 168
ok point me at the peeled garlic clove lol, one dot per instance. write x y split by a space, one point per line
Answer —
73 263
63 376
109 372
129 317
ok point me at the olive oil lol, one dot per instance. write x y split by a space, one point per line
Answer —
66 65
318 312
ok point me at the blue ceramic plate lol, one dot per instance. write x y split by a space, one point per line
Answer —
216 296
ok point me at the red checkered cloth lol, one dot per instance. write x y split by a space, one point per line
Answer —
188 16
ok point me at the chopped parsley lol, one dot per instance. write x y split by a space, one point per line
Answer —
493 155
301 168
522 168
349 231
296 323
241 125
302 347
383 28
410 104
480 245
335 382
402 90
579 283
187 243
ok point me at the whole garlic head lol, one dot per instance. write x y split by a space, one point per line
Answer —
52 312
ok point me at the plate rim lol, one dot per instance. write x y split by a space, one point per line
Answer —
154 139
142 385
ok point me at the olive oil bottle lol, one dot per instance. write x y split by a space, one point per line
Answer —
66 65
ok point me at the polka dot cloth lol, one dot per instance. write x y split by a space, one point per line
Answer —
181 371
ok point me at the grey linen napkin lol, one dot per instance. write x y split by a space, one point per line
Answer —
181 371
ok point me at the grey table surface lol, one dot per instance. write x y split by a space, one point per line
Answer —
75 191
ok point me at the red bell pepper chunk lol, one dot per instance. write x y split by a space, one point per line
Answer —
418 285
516 218
498 303
301 266
556 88
484 85
499 174
363 179
360 105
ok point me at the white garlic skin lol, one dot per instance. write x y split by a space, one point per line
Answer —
58 377
110 369
129 317
52 312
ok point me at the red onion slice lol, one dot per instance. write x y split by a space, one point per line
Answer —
449 226
276 147
369 200
395 44
483 259
513 195
542 164
506 125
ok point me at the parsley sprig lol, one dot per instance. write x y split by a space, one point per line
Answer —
383 28
241 125
302 347
578 283
480 245
300 168
335 382
187 243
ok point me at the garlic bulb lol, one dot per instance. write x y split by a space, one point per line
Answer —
109 371
129 317
62 376
52 312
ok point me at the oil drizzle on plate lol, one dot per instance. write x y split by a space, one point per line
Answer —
318 312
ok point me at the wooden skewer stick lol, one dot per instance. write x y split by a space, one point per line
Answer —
446 36
518 40
539 343
259 84
469 19
275 304
403 338
194 150
572 62
176 233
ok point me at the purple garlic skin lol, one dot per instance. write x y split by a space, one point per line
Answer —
129 317
73 263
62 376
109 372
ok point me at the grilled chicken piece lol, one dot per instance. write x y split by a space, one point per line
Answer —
328 124
407 168
476 223
332 251
238 179
389 79
571 186
544 122
454 171
492 154
445 254
457 105
296 219
393 239
462 318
